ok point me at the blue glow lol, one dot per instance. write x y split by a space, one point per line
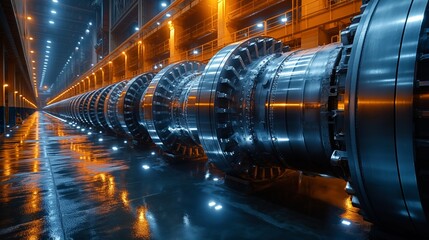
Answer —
145 167
346 222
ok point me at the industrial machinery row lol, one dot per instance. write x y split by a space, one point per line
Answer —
356 110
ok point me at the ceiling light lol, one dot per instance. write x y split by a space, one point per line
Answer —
195 51
76 48
47 56
284 19
32 51
51 22
53 12
90 23
33 61
163 4
34 68
31 38
87 30
157 23
168 15
29 18
48 46
259 25
55 1
78 43
136 28
47 52
81 37
49 41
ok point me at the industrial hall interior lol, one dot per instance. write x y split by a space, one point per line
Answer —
214 119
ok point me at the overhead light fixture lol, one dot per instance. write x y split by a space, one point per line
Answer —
49 41
284 19
163 4
136 28
77 48
29 18
47 52
90 23
55 1
51 22
32 51
168 15
87 30
33 61
81 37
48 46
259 25
158 23
31 39
53 12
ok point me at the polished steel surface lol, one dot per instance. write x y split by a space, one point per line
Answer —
99 103
379 113
128 104
58 182
164 109
299 111
224 100
92 107
110 111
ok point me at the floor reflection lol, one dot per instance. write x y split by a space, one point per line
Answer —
59 180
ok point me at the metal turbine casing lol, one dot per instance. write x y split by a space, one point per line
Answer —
168 109
128 104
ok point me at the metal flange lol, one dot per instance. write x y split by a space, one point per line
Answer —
164 109
128 104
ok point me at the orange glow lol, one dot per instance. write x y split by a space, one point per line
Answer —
284 104
141 226
124 197
340 106
374 102
29 18
31 39
204 104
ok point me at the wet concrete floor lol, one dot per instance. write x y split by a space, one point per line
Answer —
59 182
